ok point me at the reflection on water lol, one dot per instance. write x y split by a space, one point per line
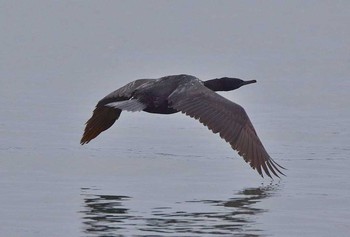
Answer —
103 213
113 215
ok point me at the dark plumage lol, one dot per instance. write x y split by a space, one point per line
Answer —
195 98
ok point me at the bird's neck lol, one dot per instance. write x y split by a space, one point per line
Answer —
214 85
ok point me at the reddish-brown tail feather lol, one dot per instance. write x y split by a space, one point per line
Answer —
102 119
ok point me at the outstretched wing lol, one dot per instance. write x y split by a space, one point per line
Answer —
226 118
105 114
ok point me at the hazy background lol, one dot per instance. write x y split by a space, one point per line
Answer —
58 58
69 54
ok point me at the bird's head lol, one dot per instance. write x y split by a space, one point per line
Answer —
226 83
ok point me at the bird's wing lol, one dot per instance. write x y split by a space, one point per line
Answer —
105 114
226 118
123 93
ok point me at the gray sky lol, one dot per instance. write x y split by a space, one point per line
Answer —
51 50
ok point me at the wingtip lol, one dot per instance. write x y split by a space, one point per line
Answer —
83 142
86 138
102 119
272 167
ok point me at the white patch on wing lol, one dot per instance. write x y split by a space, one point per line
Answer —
128 105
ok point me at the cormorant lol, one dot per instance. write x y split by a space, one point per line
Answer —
195 98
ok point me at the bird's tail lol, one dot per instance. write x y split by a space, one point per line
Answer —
102 118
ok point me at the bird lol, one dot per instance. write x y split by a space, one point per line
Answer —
195 98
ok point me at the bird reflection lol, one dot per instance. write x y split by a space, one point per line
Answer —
103 213
108 215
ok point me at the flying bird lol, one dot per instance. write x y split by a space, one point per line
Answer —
195 98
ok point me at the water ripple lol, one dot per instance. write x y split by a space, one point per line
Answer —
111 215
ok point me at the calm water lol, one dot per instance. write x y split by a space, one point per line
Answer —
139 181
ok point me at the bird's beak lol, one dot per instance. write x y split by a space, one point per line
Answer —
249 82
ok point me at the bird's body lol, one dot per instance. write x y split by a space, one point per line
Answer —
193 97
